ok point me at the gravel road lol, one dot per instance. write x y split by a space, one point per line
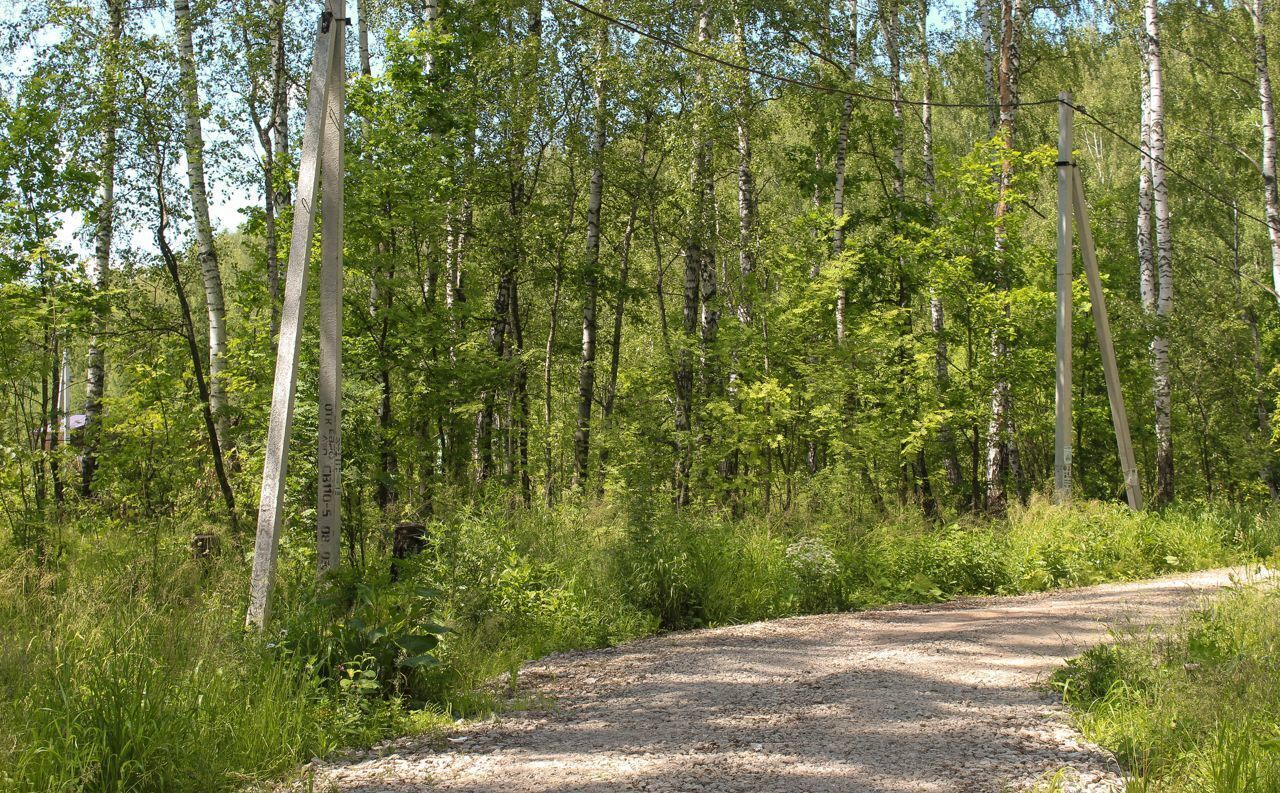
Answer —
938 698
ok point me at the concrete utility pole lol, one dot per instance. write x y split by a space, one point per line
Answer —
322 134
1071 201
329 452
1062 393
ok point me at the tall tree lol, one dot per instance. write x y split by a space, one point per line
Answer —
206 252
842 158
998 429
937 314
104 231
591 272
1271 191
698 260
1163 390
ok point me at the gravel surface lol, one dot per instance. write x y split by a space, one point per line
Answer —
939 698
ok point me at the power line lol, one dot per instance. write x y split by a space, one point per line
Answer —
1232 205
826 89
829 89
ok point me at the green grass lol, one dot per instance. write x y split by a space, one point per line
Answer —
1197 710
124 666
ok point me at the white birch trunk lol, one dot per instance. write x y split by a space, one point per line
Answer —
842 156
998 430
1164 263
206 254
95 369
280 102
746 193
1146 253
1272 194
937 315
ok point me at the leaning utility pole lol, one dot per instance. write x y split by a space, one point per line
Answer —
321 154
1071 201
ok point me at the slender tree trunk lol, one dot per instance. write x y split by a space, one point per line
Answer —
591 278
1146 249
842 155
53 417
1271 192
280 103
95 371
206 253
619 306
552 326
696 260
1001 398
193 346
708 288
522 101
987 23
520 387
362 39
746 216
552 323
266 130
276 156
1164 264
272 241
937 316
915 473
1267 469
482 449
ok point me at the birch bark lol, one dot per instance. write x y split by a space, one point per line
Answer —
1258 11
842 157
998 434
1163 395
206 253
1146 252
95 371
937 314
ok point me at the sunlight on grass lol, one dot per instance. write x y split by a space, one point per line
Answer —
126 667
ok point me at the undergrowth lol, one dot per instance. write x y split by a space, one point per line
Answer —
1197 710
125 668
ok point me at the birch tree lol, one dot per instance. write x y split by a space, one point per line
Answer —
206 253
998 440
696 260
1271 193
1163 395
937 314
104 231
841 167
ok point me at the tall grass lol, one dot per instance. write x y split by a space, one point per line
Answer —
124 666
1197 710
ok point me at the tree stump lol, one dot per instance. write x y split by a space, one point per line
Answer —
205 546
410 539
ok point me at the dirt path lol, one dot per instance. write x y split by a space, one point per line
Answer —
943 698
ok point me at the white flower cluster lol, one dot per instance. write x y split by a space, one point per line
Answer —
810 559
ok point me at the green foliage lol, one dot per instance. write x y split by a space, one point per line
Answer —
1195 711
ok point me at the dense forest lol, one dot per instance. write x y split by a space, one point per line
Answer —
611 267
721 254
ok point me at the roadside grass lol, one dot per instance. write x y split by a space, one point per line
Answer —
1195 710
124 666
